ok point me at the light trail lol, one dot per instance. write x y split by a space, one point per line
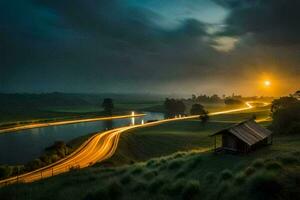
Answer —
99 147
39 125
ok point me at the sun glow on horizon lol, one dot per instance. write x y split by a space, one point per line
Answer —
267 83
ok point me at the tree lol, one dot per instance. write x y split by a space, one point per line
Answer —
204 117
174 107
230 101
197 109
286 116
215 98
180 107
281 103
108 106
5 171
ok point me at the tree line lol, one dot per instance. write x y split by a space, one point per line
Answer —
176 107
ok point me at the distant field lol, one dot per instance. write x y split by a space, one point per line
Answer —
74 109
19 108
143 144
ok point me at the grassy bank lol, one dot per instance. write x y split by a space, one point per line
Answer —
174 161
269 173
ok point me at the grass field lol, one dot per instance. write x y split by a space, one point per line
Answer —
269 173
142 144
175 161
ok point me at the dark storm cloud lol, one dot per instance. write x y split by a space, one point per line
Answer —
272 22
97 43
120 45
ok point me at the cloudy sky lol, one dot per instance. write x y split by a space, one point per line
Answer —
156 46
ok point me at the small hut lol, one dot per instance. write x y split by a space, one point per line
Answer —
242 138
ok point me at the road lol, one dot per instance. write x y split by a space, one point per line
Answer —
98 148
39 125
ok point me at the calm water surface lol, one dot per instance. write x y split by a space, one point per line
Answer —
25 145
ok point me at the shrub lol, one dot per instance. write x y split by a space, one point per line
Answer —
210 177
195 162
273 166
226 175
180 174
137 170
264 186
126 179
139 186
100 194
150 175
289 160
156 184
249 171
151 163
240 179
175 164
174 189
191 190
5 172
114 190
259 163
32 165
54 158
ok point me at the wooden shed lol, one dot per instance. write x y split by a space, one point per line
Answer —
242 138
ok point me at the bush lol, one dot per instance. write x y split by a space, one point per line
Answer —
264 186
126 179
226 175
195 162
156 184
210 178
150 175
139 186
100 194
137 170
175 164
240 179
286 115
191 190
259 163
5 172
289 160
32 165
273 166
249 171
180 174
174 189
114 190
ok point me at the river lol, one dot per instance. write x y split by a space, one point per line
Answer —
22 146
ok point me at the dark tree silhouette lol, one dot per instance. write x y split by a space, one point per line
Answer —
174 107
286 116
204 117
198 109
230 101
281 103
108 106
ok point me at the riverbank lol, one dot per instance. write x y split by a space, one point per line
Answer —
65 122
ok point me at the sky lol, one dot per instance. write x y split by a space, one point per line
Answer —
150 46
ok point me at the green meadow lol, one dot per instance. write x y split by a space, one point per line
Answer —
175 161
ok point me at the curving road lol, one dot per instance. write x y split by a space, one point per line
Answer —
98 148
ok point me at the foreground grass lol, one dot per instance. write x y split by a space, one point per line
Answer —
270 173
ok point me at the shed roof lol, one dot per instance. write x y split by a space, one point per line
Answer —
248 131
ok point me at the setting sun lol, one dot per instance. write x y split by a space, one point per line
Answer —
267 83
